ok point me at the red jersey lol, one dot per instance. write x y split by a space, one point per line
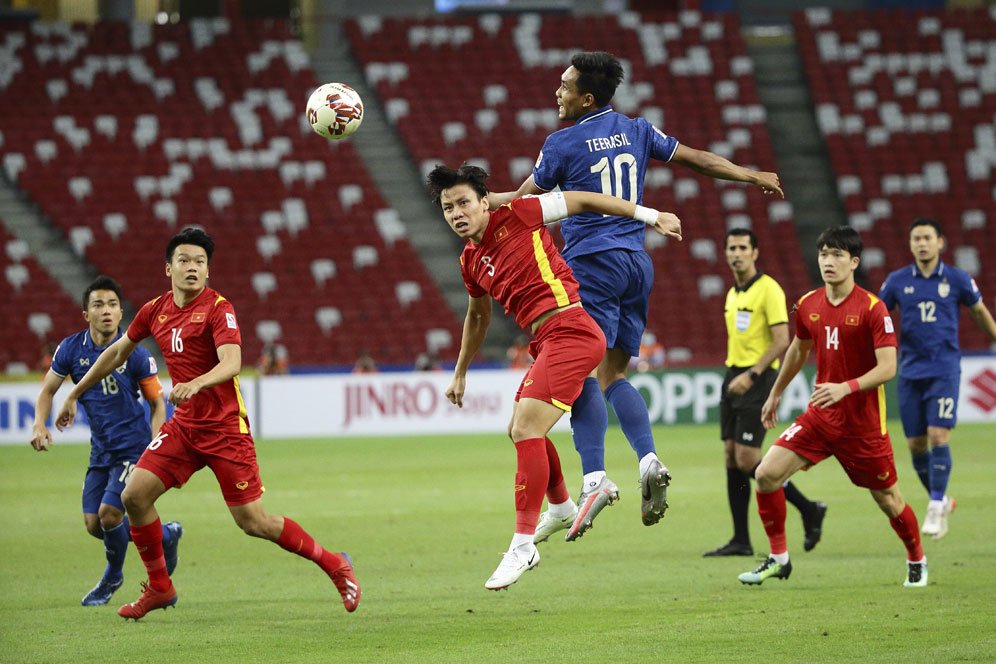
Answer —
189 338
517 264
845 337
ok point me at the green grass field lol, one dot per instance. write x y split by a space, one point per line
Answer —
425 521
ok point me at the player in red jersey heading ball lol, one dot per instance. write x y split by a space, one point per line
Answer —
855 345
510 257
199 336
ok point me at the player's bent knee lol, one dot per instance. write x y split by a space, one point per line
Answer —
109 517
92 524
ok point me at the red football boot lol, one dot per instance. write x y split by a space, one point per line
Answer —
150 599
345 581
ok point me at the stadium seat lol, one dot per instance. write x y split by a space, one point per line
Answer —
328 318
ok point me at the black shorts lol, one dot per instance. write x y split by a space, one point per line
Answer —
740 414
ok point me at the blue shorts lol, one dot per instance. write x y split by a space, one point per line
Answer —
104 484
615 291
927 402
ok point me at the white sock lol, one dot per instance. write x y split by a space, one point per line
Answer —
592 479
780 558
645 462
560 510
521 540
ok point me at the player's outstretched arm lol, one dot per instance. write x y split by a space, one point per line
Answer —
711 164
984 319
113 357
665 223
41 437
827 394
498 198
475 329
795 357
228 367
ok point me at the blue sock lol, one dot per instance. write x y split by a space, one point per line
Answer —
940 471
921 464
116 547
631 410
589 422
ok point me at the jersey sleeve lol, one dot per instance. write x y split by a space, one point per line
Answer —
774 304
224 326
883 331
887 293
662 146
970 293
141 364
61 362
473 288
529 210
802 323
139 328
547 170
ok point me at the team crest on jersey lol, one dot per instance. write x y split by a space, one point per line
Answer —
814 317
944 288
197 317
908 290
851 319
84 361
162 318
501 233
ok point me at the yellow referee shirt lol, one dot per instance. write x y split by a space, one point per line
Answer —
750 312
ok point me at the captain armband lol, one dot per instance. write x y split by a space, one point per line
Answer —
554 206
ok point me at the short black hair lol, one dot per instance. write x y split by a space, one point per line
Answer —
927 221
190 235
599 74
443 177
101 283
737 232
841 237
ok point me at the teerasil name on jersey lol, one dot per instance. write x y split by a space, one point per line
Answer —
607 143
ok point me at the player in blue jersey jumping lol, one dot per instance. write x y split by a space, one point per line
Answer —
928 294
119 431
607 152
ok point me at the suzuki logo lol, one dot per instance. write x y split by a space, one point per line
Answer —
983 396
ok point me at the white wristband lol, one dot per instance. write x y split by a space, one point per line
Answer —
646 215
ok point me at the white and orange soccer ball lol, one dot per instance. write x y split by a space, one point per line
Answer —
335 111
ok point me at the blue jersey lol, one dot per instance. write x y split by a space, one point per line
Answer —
604 152
118 423
928 307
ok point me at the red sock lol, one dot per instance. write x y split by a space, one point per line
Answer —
908 530
148 540
531 479
556 489
293 538
771 508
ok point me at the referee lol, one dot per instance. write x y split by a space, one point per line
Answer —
757 335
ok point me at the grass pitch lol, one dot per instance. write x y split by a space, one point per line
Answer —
425 520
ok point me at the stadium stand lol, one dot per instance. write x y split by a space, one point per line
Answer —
35 310
124 133
907 104
492 102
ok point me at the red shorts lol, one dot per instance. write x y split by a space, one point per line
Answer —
180 451
867 460
567 348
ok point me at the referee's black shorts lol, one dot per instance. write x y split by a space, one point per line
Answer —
740 414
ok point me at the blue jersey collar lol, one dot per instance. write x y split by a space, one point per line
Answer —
87 339
938 271
594 114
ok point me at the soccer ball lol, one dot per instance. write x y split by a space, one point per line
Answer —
335 111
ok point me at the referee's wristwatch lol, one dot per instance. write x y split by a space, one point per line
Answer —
753 375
